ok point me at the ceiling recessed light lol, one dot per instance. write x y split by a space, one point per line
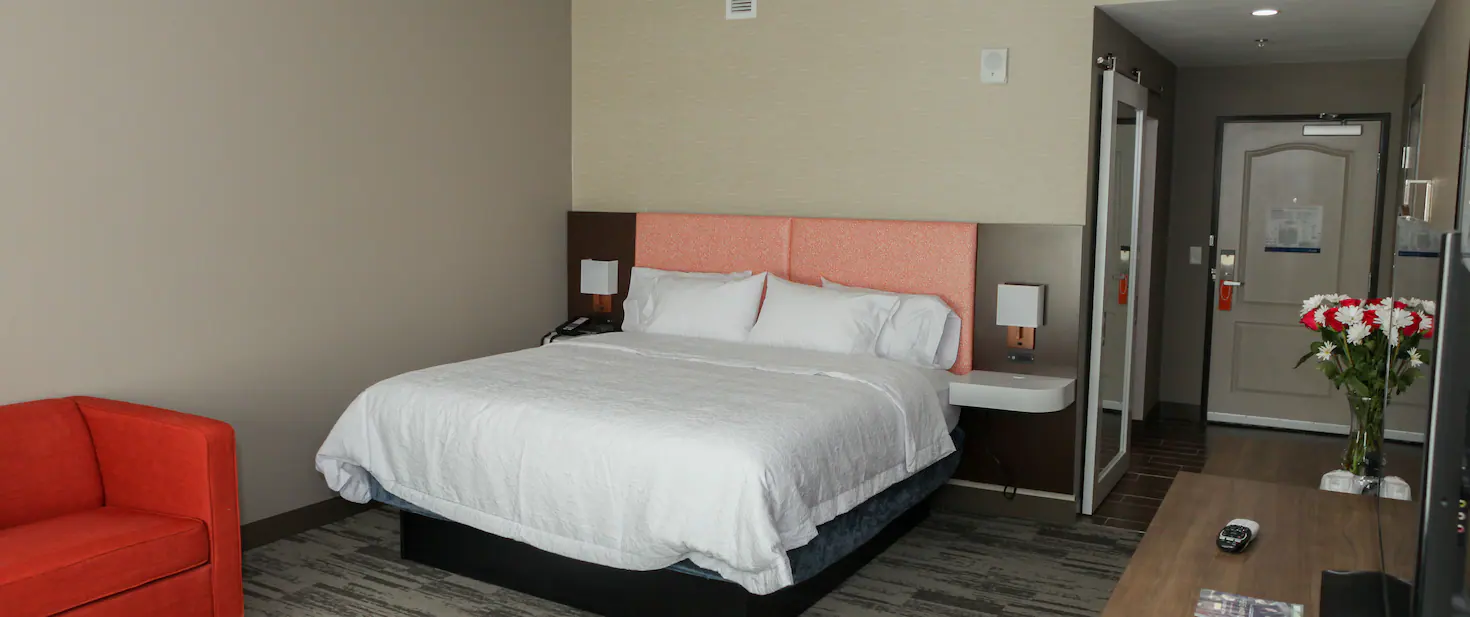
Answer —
1264 12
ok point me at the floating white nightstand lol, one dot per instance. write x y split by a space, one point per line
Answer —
1012 392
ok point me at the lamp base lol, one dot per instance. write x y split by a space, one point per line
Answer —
602 303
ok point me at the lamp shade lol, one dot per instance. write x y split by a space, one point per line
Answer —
599 278
1020 306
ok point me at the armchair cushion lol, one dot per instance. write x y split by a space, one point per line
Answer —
47 466
53 565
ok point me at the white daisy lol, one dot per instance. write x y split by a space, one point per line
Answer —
1357 332
1324 354
1414 303
1311 304
1403 318
1427 323
1428 307
1336 298
1321 315
1383 315
1350 315
1414 359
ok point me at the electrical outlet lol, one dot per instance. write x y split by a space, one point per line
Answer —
1196 255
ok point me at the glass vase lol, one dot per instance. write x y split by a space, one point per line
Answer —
1365 433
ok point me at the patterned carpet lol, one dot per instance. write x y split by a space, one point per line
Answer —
952 565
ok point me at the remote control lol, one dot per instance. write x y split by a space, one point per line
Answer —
1237 535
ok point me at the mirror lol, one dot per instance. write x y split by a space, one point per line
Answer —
1112 415
1412 137
1463 201
1119 176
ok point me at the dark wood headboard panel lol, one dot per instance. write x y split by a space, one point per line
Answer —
599 235
1039 449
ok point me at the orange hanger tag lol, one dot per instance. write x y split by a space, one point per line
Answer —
1123 290
1227 296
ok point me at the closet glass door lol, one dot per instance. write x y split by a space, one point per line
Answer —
1120 164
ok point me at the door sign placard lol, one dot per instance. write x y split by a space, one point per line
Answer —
1294 229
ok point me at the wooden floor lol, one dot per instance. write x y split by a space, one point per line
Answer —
1157 451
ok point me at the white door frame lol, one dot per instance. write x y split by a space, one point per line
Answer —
1099 478
1143 244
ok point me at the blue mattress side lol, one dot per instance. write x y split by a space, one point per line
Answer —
835 539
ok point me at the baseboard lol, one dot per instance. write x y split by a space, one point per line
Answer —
988 500
290 523
1324 428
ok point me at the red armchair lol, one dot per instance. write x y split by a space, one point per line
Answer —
114 509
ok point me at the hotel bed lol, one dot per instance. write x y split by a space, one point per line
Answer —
835 538
706 470
639 451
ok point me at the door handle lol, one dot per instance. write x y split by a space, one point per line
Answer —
1232 283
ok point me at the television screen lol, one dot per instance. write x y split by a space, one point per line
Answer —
1441 579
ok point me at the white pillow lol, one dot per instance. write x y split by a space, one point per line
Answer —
807 317
640 287
704 307
924 331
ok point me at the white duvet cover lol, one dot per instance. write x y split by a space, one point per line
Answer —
637 451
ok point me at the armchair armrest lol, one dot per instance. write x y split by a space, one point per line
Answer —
173 463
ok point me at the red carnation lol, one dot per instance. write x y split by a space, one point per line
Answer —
1413 327
1351 302
1400 305
1310 321
1332 322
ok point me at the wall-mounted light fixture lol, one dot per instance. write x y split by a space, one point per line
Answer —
1021 309
600 280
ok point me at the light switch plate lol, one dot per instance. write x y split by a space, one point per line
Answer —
993 65
1196 255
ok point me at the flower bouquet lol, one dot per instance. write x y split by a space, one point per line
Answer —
1371 349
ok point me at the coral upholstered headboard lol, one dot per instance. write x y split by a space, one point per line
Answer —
898 256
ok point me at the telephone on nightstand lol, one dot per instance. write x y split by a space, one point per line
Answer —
581 326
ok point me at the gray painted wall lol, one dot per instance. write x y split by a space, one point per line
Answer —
1159 75
1205 94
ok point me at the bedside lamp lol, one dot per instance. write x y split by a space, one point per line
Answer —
600 280
1021 309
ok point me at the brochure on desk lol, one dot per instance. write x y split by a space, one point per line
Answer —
1220 604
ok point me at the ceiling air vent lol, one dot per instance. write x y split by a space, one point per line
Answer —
739 9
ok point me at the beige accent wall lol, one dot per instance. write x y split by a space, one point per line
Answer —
1438 64
254 210
1205 94
853 108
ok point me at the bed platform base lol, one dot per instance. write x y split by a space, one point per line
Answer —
612 592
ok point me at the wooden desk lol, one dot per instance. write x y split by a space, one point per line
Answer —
1303 532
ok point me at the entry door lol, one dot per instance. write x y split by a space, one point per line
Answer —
1296 218
1119 174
